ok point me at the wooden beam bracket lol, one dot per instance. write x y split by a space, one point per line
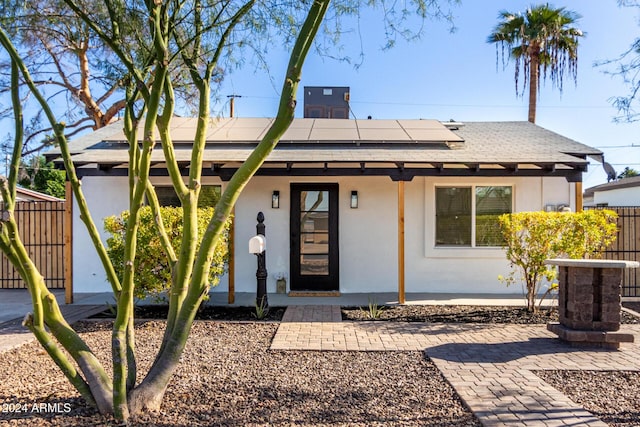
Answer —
511 167
474 167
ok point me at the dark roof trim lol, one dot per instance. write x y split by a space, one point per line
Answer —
400 173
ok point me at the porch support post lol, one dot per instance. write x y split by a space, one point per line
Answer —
401 242
68 244
231 295
579 200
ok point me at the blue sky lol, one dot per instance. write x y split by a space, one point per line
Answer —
454 76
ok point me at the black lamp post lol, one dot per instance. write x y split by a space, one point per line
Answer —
261 275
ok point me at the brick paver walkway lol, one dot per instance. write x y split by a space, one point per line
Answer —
489 366
312 313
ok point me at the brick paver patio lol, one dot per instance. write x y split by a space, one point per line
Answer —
489 365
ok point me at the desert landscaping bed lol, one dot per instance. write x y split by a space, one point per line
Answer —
228 377
614 397
397 313
206 312
462 314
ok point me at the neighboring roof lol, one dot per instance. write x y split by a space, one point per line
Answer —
633 181
25 195
428 146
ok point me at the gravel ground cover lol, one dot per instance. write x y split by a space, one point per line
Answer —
462 314
228 377
614 397
405 313
206 312
451 314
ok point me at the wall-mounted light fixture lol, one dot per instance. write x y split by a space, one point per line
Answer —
275 200
354 200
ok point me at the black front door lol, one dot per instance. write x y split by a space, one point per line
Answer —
314 237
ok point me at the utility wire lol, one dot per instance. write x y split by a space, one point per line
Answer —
632 145
414 104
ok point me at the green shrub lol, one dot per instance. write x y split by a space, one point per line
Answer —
532 237
152 270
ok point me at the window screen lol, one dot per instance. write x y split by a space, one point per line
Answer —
491 202
453 216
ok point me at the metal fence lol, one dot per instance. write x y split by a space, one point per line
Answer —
41 227
627 246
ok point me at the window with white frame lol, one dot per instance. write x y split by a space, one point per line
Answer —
467 216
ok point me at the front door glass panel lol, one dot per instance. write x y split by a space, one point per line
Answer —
314 260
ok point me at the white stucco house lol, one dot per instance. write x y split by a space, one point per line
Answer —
356 206
623 192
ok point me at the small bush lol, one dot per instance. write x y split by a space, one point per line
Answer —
374 310
152 270
532 237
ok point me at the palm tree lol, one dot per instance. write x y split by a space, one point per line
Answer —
541 39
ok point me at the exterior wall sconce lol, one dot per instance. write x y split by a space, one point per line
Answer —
275 200
354 200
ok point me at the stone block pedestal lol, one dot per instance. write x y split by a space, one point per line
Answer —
589 302
577 338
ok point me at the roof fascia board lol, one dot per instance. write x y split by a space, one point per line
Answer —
396 174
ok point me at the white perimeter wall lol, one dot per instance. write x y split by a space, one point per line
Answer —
367 235
105 196
619 197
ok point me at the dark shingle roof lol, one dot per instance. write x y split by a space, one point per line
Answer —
506 140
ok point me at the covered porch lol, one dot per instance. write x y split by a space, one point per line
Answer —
356 154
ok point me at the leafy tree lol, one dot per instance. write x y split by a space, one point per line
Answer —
542 39
69 65
533 237
175 41
41 176
628 173
74 67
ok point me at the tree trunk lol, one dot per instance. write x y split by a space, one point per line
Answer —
150 393
534 76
